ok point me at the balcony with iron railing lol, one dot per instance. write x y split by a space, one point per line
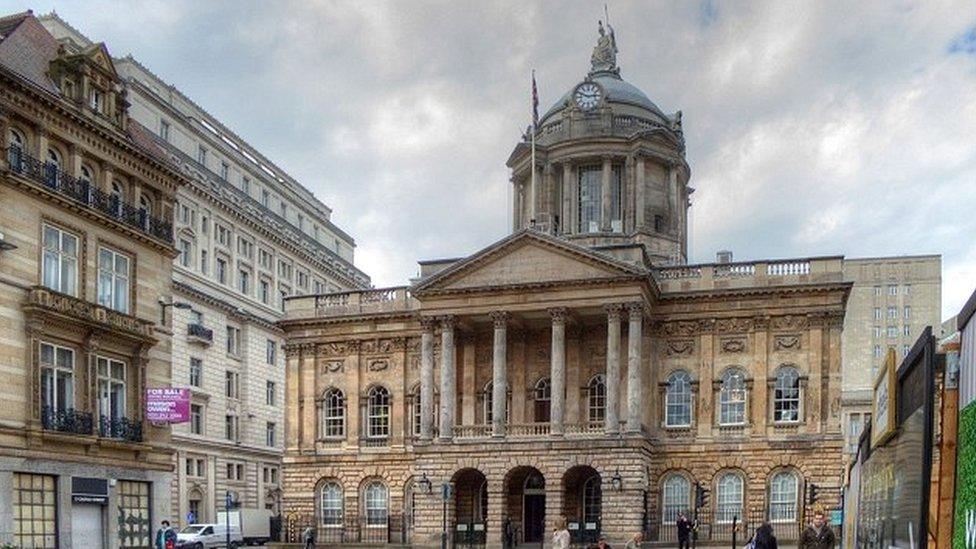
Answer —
764 273
121 428
351 303
67 420
83 193
198 333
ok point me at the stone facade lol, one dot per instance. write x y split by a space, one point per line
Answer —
248 235
85 266
576 368
892 301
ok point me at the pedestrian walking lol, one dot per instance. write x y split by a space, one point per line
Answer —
764 538
165 536
684 531
308 537
818 535
636 542
560 536
508 532
601 543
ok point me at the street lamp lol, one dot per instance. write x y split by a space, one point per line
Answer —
424 483
616 481
175 305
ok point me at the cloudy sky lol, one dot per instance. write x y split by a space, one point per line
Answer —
812 128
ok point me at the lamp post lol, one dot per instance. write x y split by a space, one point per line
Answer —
174 304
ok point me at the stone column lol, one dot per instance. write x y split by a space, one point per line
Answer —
635 377
639 194
605 211
427 379
612 418
516 205
548 209
557 371
448 381
566 217
499 367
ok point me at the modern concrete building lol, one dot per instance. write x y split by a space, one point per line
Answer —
86 261
892 301
248 235
576 368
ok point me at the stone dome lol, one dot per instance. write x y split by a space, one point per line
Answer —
617 91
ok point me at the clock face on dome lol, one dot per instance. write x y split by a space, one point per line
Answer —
587 95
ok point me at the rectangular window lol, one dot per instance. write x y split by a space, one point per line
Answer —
196 371
113 280
877 313
264 291
223 235
908 312
196 419
232 385
164 130
265 198
224 171
233 340
303 279
221 270
905 349
877 290
134 528
892 312
230 427
205 224
271 351
269 434
246 185
269 395
892 290
284 269
264 258
235 471
301 222
245 247
185 248
111 394
907 289
906 330
892 331
34 511
202 155
589 199
616 200
60 261
184 214
284 210
57 380
244 282
877 332
204 267
877 351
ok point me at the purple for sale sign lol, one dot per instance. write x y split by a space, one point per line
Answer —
167 405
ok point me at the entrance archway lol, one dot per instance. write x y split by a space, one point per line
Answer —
470 506
525 503
583 503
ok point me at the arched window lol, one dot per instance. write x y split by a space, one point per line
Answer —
145 211
592 499
677 400
675 497
116 197
376 504
331 505
786 395
732 398
15 154
596 399
489 399
378 413
334 414
783 490
541 397
87 179
52 167
728 498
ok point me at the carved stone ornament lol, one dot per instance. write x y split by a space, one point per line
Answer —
680 327
787 342
335 348
414 362
733 325
680 347
789 322
378 365
733 345
334 366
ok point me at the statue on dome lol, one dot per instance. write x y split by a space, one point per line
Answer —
604 56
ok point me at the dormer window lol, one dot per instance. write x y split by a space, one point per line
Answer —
95 100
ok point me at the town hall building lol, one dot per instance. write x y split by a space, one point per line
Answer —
578 368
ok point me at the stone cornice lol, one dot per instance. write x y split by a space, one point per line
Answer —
757 291
227 308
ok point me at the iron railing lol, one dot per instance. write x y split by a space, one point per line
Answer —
392 528
200 332
83 192
67 421
120 428
719 528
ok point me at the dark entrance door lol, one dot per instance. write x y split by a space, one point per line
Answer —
535 517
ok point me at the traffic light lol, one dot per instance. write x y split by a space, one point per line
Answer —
812 490
701 496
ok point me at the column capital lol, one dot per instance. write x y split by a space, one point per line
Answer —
499 318
547 168
428 323
448 322
636 310
613 310
558 315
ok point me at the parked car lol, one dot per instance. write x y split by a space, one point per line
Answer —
208 536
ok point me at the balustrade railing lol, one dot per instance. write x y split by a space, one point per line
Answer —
374 442
82 192
120 428
361 301
585 428
66 420
785 268
527 429
472 431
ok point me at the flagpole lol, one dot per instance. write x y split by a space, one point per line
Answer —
533 191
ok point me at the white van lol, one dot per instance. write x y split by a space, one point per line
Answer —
207 536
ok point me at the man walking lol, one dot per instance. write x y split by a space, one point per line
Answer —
684 531
818 535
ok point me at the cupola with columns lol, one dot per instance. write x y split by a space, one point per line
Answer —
610 169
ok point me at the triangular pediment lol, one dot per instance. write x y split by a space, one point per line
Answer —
98 55
528 258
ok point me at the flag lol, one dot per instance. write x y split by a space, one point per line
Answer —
535 103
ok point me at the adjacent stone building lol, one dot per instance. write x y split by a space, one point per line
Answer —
576 368
892 301
85 269
248 235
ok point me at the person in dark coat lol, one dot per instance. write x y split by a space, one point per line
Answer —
818 535
764 538
684 531
508 534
